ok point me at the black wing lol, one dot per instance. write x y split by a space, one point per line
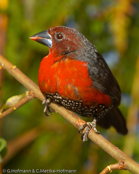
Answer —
99 71
103 78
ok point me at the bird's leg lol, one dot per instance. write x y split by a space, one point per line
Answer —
47 107
50 110
88 126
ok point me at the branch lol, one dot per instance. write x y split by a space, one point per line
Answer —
28 96
72 118
117 166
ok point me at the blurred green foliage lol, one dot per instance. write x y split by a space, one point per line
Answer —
56 144
3 148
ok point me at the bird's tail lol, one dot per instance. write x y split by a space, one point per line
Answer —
114 118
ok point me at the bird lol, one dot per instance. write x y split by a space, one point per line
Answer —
75 75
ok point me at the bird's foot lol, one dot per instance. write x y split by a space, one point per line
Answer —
85 129
47 107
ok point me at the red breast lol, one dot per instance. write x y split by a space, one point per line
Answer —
70 79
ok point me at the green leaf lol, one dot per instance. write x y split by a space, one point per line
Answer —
3 148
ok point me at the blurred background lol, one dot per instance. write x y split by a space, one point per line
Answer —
33 141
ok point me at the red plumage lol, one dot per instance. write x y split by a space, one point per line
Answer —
66 75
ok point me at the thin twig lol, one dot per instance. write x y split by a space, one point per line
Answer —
28 96
117 166
72 118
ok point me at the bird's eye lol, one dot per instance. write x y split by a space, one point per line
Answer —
59 36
